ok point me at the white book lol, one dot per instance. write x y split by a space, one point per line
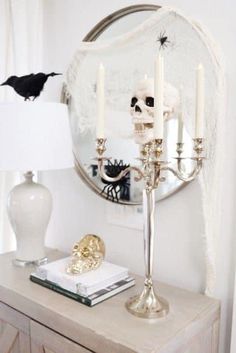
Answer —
92 299
83 284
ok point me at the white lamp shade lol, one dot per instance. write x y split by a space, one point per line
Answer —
35 136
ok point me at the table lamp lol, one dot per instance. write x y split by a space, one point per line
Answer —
34 136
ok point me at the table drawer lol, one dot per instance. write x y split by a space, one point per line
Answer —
14 331
44 340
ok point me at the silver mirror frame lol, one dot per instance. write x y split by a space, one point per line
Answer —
95 32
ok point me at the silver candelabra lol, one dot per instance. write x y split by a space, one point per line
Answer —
148 304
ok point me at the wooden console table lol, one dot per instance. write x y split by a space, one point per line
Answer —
34 319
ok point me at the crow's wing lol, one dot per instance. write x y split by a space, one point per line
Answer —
26 77
22 85
37 83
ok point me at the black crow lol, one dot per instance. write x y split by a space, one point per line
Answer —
29 85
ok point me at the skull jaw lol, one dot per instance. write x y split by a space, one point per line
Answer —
142 134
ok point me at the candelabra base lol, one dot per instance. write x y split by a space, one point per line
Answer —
147 305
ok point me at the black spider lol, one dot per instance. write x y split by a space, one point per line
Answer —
163 40
118 190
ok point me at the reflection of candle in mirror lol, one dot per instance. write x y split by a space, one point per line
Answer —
180 117
100 101
199 101
158 97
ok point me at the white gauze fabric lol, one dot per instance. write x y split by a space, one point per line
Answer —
127 58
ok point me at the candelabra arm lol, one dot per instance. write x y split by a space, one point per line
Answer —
101 148
104 176
181 175
180 172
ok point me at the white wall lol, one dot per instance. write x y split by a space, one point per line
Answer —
179 252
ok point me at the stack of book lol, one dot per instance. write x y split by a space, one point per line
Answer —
89 288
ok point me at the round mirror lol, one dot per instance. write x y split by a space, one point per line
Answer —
122 146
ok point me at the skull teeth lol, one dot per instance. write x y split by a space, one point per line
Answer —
142 127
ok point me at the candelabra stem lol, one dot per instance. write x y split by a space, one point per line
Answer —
148 304
148 211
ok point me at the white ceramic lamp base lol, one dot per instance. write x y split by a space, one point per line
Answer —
29 211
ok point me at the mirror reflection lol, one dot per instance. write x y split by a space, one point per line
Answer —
129 114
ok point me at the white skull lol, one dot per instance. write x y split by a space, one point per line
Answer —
142 108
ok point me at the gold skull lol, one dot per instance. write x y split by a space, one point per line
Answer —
87 254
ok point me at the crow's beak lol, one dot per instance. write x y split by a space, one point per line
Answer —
3 84
57 74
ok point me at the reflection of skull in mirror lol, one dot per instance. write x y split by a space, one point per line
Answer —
142 108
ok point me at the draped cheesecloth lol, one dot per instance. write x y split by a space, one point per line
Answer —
127 58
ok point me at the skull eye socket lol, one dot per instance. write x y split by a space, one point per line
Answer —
149 101
133 101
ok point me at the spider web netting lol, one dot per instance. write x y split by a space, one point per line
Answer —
127 58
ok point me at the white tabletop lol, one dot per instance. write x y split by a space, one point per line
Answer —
107 327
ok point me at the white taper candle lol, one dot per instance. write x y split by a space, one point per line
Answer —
199 101
159 97
100 102
180 117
